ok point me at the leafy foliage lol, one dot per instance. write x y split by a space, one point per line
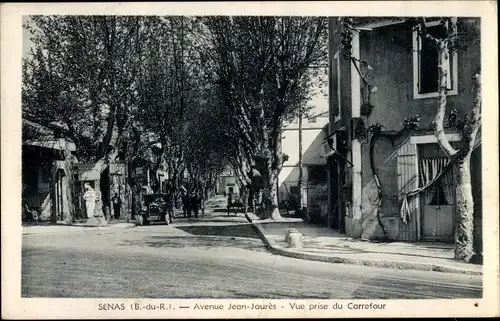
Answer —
188 93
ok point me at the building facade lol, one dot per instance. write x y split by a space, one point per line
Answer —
312 139
227 182
309 136
47 172
391 56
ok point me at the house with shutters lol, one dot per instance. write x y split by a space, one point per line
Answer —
412 195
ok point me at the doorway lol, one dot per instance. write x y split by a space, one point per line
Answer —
61 195
438 199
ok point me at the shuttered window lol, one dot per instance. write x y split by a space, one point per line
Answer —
407 173
335 86
426 64
407 168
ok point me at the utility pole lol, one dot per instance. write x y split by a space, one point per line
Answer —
299 184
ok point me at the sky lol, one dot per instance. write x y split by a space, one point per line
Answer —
27 44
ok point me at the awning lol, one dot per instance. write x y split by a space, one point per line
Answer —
59 144
30 151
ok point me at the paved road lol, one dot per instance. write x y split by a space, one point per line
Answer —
186 260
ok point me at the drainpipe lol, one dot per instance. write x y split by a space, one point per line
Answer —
356 144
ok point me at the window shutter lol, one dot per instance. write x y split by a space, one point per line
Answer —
408 180
407 169
334 85
419 57
339 87
331 99
449 84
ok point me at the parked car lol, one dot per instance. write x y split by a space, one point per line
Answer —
155 208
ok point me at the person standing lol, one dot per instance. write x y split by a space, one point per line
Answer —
229 201
202 202
186 204
195 204
170 206
117 203
90 199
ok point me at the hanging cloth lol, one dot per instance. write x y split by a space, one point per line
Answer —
448 186
431 170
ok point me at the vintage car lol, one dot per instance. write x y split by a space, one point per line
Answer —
155 208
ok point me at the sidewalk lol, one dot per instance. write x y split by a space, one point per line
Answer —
326 245
79 226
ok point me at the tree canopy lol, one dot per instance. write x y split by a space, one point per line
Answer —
205 91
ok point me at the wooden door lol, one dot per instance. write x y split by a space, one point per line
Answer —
437 218
437 222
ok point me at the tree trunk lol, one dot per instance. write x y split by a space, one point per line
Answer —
464 212
71 195
273 197
53 194
443 56
464 202
129 197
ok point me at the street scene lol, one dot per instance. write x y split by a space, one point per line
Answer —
214 257
251 157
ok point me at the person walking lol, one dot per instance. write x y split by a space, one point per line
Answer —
117 203
186 206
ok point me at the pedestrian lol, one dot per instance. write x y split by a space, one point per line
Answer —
90 198
169 200
117 202
202 204
195 204
229 201
186 204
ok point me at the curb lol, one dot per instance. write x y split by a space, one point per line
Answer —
400 265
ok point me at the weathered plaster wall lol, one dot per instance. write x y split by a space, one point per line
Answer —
389 51
312 146
387 174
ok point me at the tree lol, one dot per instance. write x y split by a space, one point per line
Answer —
262 67
82 74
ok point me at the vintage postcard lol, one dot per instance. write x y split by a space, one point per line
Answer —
249 159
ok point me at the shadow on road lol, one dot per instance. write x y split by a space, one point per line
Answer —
205 220
236 230
208 242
